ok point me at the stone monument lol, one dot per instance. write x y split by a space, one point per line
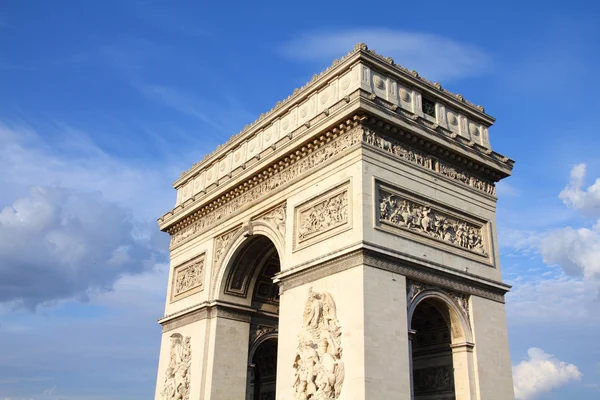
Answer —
343 246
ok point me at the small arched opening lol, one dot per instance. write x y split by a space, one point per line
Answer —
441 349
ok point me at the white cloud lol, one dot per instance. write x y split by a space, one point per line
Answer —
577 251
573 195
434 57
541 373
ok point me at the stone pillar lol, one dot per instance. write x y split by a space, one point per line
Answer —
412 336
464 373
227 363
492 354
371 310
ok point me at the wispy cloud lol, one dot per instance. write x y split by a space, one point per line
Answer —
181 102
434 57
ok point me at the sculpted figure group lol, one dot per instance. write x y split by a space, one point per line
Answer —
319 369
422 219
326 214
189 277
177 377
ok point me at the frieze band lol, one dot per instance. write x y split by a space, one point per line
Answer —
321 153
408 153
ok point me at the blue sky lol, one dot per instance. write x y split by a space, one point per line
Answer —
104 103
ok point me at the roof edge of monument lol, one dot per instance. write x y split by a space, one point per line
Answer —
360 48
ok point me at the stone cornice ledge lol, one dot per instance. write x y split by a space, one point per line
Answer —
320 81
403 264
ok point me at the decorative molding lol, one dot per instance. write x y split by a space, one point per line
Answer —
408 153
318 366
259 330
305 159
398 210
324 216
222 244
205 311
177 376
188 278
410 270
413 289
276 217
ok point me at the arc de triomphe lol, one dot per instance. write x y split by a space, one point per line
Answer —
343 246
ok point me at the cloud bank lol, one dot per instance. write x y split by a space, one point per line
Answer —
541 373
577 251
57 244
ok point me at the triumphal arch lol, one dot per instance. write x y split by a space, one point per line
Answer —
343 246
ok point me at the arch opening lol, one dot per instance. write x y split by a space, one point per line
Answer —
249 277
432 355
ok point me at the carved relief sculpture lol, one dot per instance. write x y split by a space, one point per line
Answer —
433 379
325 215
267 186
188 278
318 366
408 153
177 376
412 216
276 216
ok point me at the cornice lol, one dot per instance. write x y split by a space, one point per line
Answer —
411 269
360 53
262 182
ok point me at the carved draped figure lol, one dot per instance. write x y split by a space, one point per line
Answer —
318 367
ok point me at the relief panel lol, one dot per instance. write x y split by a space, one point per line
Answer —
318 366
322 217
188 278
400 212
177 377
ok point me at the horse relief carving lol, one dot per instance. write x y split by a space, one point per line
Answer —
424 220
177 377
318 366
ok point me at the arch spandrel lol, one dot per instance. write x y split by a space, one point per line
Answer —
225 262
460 327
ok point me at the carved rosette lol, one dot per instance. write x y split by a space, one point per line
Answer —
318 366
407 214
177 376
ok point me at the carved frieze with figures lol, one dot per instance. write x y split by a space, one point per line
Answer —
324 216
399 210
177 376
318 366
188 278
415 156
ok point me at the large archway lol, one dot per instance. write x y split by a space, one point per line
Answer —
432 364
249 277
441 347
